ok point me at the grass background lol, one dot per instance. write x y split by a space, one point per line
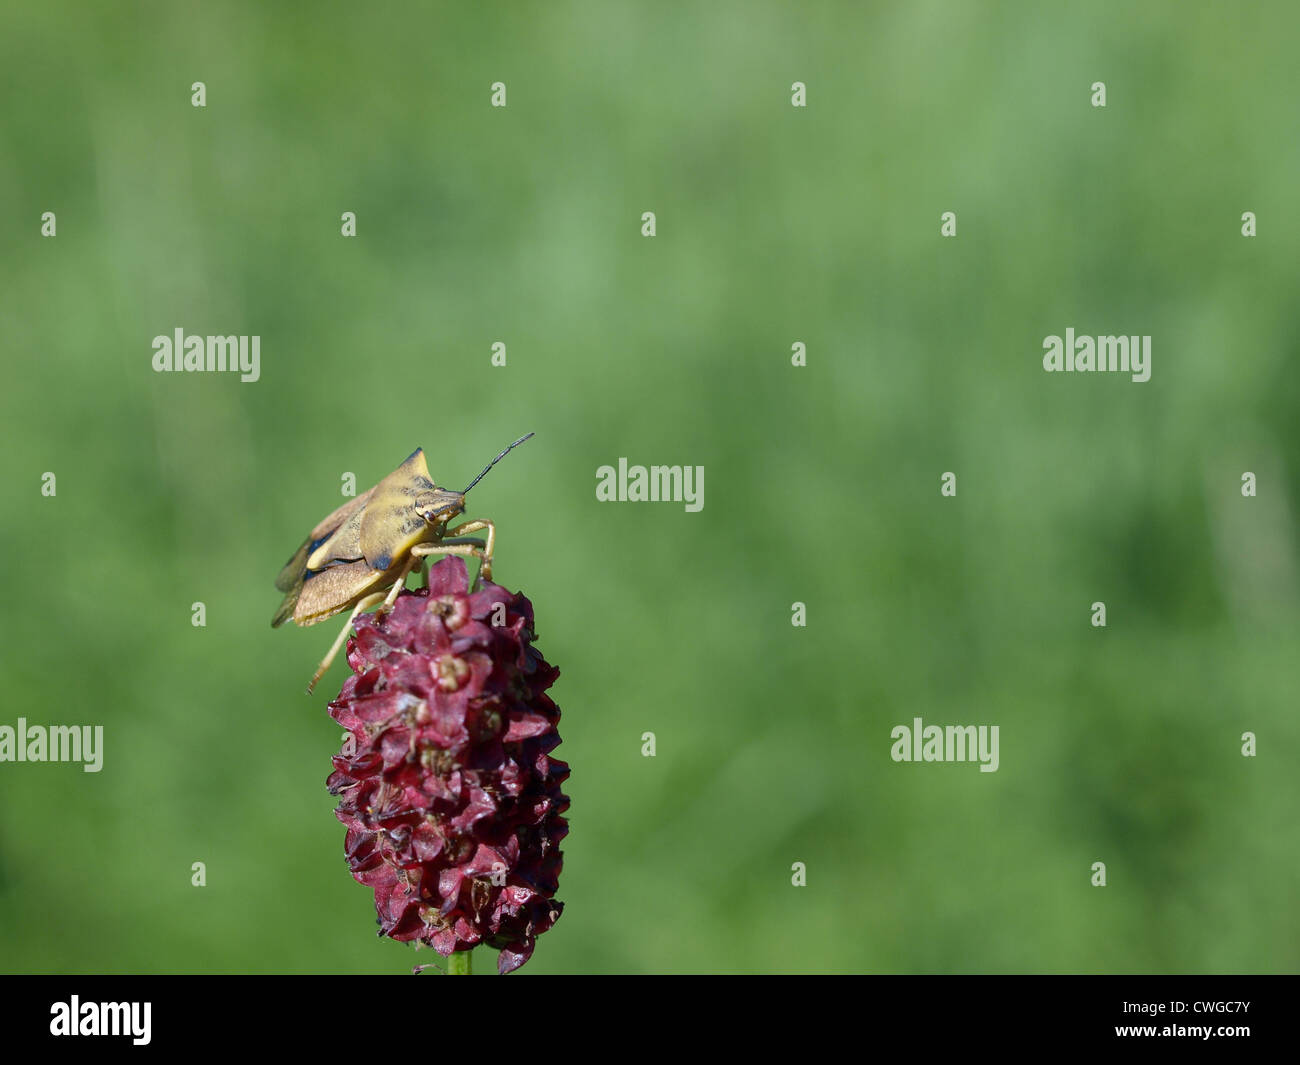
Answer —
775 225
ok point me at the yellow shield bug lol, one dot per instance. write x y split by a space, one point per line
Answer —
361 554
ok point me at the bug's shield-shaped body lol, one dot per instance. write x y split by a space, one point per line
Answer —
362 545
361 555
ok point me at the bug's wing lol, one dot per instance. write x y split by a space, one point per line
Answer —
292 573
290 582
338 552
342 545
326 526
332 590
286 608
391 522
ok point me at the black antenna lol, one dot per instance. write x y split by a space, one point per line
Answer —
494 462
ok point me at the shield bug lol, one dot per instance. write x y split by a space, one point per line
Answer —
361 554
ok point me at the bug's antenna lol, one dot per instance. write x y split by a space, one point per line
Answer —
494 462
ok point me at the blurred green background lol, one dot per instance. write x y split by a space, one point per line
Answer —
775 225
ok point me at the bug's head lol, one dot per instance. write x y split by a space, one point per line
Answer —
442 505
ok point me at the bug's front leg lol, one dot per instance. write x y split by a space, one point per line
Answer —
465 547
476 526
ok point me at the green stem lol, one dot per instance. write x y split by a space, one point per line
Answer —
461 963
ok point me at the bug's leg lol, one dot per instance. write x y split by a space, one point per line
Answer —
485 571
396 589
459 541
465 547
325 662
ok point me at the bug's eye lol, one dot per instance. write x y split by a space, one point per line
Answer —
441 514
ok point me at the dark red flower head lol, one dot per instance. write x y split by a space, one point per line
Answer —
450 797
